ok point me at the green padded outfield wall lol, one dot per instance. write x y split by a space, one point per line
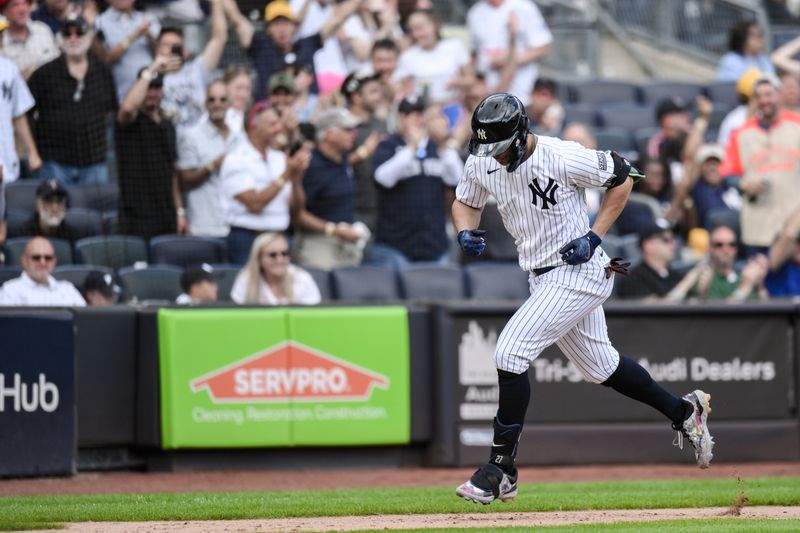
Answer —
284 377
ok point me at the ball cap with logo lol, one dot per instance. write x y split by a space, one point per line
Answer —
196 274
498 123
102 283
50 189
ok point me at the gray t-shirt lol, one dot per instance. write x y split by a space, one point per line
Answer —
185 93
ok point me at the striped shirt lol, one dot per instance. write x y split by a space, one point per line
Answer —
24 291
543 202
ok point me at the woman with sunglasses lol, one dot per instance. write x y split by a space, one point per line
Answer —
269 278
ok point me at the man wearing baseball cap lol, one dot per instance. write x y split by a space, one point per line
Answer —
199 284
276 48
329 235
49 218
99 289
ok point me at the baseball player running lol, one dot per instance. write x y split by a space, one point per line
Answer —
539 184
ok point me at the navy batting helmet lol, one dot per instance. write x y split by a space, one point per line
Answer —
499 123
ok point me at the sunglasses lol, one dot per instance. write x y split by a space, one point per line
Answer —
73 32
221 99
721 244
274 255
46 257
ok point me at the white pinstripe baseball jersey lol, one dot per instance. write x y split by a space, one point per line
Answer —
543 201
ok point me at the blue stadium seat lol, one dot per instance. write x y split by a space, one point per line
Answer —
16 246
226 276
101 197
21 194
16 218
323 280
8 272
365 284
600 92
617 139
186 250
659 90
154 282
628 117
87 222
76 274
496 281
723 92
114 251
583 113
432 282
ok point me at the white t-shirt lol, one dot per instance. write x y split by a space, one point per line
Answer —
488 34
24 291
433 68
185 93
197 147
243 169
329 58
304 289
15 101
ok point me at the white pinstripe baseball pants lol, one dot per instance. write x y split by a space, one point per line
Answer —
565 307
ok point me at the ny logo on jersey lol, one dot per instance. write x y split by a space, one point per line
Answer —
7 91
547 196
481 134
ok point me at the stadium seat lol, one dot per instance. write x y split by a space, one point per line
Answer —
76 274
16 246
154 282
87 222
21 194
226 276
724 217
656 91
432 282
615 139
626 246
100 197
323 281
642 137
8 272
496 281
723 92
16 218
114 251
600 92
110 223
628 117
500 245
365 284
585 114
183 250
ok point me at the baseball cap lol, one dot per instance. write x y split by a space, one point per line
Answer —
708 151
280 80
336 117
411 104
355 81
102 283
747 82
673 104
653 229
767 77
51 188
277 9
196 274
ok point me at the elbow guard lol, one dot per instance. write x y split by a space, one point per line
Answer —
622 171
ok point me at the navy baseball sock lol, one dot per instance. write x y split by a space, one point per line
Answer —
515 393
635 382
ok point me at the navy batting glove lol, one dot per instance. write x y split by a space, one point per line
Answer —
581 249
472 241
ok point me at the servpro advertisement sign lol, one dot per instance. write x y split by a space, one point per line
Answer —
282 377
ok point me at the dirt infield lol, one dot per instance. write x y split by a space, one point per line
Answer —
141 482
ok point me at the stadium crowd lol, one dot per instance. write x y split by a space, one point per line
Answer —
331 134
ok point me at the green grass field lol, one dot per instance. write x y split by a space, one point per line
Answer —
32 512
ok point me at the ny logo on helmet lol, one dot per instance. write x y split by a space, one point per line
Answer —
481 134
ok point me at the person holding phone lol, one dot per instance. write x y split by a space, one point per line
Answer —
185 79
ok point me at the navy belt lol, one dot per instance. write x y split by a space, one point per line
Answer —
542 271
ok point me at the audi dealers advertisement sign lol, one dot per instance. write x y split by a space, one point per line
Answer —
282 377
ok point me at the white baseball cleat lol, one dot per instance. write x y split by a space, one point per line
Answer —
695 428
489 483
